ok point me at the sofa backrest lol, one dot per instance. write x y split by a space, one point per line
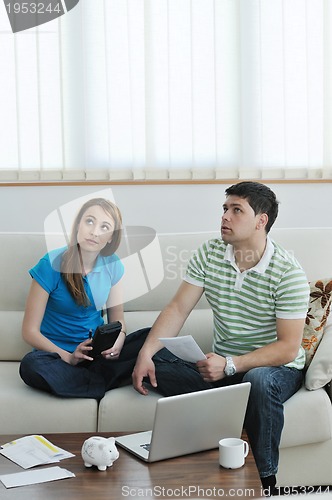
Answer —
154 272
311 246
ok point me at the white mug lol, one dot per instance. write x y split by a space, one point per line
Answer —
232 452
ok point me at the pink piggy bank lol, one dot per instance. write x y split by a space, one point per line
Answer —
99 451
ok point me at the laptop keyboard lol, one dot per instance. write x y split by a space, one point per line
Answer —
145 446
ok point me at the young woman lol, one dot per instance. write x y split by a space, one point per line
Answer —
69 289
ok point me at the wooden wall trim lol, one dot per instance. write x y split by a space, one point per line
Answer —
161 182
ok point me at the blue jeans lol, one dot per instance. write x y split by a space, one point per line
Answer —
264 420
46 371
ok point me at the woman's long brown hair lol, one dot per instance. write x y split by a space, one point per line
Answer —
71 265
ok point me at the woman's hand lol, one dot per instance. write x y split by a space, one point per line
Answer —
114 351
81 353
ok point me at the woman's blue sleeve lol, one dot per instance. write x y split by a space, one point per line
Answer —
45 274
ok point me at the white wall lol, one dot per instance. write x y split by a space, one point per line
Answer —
166 208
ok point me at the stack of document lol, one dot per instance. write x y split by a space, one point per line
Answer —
31 451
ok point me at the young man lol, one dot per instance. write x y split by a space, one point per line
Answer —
259 297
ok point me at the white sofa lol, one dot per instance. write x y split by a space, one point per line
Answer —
306 447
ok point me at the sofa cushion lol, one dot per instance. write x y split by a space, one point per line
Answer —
28 411
124 409
318 312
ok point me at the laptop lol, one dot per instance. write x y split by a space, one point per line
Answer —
189 423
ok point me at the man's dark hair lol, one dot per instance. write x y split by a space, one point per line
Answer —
260 197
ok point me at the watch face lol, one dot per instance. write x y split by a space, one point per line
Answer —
229 371
230 367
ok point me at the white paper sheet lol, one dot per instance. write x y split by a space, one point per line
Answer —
30 451
35 476
185 347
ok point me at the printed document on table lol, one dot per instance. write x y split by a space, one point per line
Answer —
185 347
35 476
30 451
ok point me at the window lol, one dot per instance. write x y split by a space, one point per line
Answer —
169 89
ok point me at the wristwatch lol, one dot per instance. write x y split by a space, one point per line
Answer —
229 369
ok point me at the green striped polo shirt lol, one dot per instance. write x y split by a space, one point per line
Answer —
246 304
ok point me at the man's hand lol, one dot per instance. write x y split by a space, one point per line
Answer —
212 368
144 368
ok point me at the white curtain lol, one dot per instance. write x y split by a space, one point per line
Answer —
169 89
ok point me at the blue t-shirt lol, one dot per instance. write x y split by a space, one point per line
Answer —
65 323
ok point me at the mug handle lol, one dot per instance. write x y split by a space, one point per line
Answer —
246 448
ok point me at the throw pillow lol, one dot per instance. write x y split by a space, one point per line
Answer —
318 312
319 372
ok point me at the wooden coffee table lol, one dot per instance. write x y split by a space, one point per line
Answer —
193 476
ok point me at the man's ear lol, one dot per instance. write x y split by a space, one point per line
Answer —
262 221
